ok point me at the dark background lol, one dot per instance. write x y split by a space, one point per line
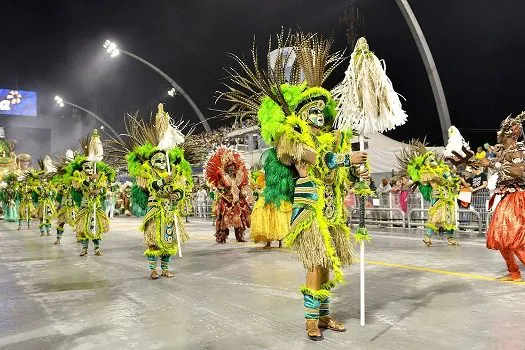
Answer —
55 47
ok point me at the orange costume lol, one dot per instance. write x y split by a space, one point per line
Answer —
506 231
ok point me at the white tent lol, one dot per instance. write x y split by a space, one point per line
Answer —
382 151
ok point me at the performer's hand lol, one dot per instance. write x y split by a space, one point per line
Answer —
363 173
168 179
95 176
359 158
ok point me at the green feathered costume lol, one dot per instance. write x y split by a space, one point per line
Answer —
10 198
163 180
437 184
308 165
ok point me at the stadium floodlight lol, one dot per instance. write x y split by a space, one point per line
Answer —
59 101
111 48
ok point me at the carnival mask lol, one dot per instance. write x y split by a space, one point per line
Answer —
158 161
88 168
312 112
230 170
431 160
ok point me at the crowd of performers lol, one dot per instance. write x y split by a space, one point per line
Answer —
296 199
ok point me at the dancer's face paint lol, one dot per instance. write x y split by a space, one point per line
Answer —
158 161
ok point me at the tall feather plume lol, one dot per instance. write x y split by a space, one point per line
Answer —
249 83
314 57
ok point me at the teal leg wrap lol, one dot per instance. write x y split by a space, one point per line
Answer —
152 261
164 261
429 232
96 243
449 233
312 306
324 308
85 243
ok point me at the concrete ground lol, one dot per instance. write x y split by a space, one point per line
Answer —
239 296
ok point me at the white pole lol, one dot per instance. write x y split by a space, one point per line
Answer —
175 223
95 205
362 253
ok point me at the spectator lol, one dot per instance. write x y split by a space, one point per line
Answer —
490 152
480 154
384 198
201 202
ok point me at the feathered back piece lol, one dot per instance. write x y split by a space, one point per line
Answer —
412 158
143 138
306 55
216 168
511 127
367 100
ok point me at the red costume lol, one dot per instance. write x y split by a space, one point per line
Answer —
226 172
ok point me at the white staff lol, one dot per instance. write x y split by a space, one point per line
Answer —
169 138
95 154
367 104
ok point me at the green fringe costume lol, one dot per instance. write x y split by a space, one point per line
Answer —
10 198
46 210
91 221
69 202
157 196
437 184
26 190
312 164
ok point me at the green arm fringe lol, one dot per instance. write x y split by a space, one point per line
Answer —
321 294
362 235
362 188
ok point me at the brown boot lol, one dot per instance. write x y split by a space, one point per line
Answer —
268 245
427 241
312 330
166 273
98 252
452 241
84 252
328 323
154 275
57 241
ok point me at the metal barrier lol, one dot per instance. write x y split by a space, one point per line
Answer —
411 224
416 209
379 222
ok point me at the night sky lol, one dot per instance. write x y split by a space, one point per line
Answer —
55 47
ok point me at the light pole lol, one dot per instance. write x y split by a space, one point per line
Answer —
114 51
430 66
61 102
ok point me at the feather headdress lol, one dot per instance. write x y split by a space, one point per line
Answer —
511 127
295 70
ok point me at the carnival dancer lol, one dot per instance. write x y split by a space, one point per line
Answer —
437 184
68 199
9 197
26 188
226 172
506 231
314 162
91 178
46 194
158 164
